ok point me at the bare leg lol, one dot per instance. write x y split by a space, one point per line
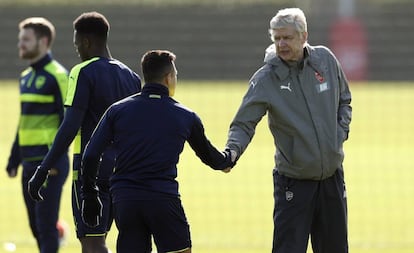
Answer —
93 244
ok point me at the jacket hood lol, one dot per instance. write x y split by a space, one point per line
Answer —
312 59
272 58
270 54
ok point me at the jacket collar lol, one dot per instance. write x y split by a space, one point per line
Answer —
42 62
282 69
155 88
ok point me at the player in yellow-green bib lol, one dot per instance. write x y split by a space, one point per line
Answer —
43 87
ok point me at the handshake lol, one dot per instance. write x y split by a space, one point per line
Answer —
231 159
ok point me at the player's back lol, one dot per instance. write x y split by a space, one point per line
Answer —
96 84
93 86
149 133
114 81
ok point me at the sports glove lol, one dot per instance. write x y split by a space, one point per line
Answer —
36 182
12 172
14 161
91 206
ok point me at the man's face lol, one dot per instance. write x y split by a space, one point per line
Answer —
289 43
28 44
172 81
80 46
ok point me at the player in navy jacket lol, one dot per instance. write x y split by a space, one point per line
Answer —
148 132
94 85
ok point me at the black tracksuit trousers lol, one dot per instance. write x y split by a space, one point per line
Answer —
312 208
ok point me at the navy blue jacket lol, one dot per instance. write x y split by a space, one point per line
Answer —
148 132
93 86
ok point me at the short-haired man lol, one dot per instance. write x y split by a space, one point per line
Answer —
148 132
304 91
94 85
42 91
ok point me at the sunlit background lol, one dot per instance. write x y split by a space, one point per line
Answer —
219 45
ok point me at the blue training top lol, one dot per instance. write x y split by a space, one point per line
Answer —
148 132
93 86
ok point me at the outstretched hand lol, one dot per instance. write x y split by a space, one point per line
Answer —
233 157
226 170
36 183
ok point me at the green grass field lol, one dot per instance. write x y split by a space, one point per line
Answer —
233 212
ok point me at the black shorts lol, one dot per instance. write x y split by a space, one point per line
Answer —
164 220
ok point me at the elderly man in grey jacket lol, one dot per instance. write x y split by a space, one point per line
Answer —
304 91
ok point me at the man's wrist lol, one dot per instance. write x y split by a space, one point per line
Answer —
233 154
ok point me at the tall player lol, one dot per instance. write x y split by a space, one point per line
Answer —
43 86
94 85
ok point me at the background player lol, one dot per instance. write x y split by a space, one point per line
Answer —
94 85
42 89
148 132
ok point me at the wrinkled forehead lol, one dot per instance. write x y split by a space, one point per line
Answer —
289 30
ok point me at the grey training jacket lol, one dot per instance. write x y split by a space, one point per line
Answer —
308 109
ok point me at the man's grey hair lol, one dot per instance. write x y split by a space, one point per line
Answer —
289 17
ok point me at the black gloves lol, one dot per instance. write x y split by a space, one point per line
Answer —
14 160
11 171
36 182
91 206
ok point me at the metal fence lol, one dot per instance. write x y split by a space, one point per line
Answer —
214 42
